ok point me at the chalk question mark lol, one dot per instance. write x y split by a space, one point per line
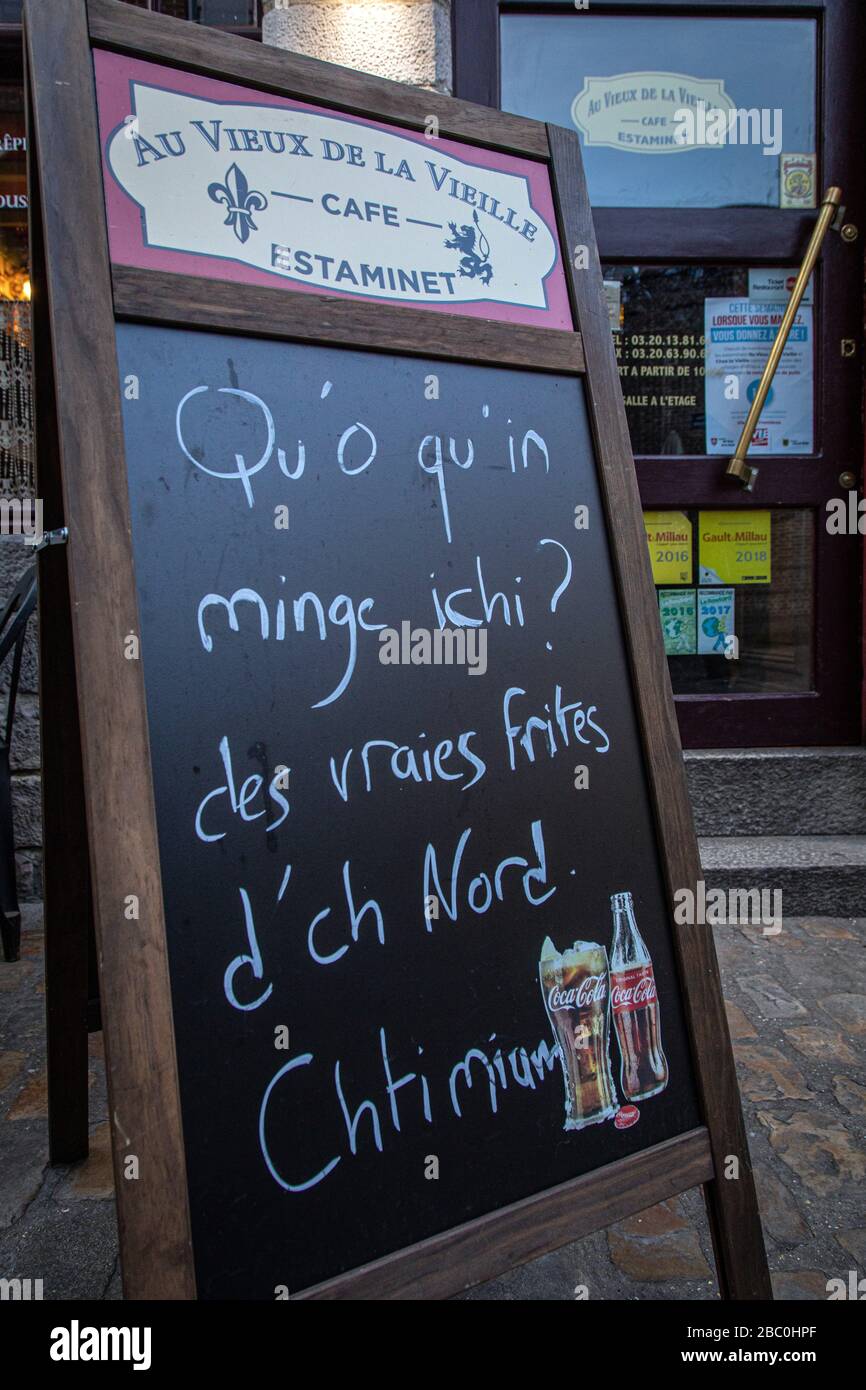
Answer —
557 593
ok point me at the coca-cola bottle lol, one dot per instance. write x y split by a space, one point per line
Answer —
635 1006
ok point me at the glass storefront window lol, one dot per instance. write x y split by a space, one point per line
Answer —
660 317
236 13
16 408
620 80
749 629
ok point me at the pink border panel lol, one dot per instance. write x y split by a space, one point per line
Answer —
114 71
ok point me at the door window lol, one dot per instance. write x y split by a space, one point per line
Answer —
621 81
691 343
739 618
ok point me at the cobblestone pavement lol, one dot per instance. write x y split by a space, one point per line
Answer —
797 1010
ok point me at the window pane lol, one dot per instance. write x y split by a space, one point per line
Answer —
16 407
10 11
737 638
661 355
236 12
620 79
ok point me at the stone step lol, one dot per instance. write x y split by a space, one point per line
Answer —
778 791
818 875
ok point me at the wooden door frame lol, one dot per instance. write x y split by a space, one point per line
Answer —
835 711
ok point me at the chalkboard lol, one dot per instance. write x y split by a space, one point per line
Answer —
303 903
371 781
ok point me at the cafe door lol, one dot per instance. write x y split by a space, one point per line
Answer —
701 221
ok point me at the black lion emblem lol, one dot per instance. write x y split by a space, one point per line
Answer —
475 249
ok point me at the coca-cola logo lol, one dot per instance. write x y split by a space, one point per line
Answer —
591 990
633 989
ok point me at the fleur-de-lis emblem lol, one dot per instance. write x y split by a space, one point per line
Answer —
240 201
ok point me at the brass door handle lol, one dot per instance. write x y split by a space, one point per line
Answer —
739 468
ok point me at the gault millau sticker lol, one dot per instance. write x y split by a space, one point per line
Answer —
669 537
735 547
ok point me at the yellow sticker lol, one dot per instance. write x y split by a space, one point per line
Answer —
669 537
734 547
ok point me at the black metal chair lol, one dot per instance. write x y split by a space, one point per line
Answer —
13 631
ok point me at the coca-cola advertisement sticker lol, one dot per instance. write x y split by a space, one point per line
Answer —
590 995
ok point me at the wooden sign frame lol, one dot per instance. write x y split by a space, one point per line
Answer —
89 603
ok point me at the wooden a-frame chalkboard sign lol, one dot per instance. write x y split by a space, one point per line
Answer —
358 737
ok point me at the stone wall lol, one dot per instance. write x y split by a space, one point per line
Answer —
406 40
15 558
